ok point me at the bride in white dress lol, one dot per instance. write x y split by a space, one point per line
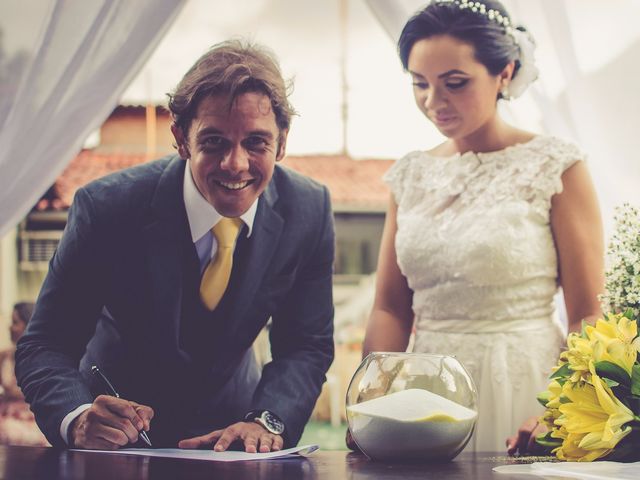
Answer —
483 229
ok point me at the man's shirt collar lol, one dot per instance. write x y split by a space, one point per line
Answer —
201 214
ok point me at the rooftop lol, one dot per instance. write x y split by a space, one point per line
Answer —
355 185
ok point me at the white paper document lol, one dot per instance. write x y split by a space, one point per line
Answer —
209 454
577 470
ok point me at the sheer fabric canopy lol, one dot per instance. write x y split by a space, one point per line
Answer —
63 67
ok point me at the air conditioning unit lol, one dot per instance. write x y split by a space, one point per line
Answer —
36 248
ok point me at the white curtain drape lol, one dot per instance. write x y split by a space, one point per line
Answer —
588 53
63 66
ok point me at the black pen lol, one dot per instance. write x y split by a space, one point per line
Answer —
112 391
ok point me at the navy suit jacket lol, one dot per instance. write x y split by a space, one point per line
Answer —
114 296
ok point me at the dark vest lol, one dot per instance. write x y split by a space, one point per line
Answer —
221 377
206 335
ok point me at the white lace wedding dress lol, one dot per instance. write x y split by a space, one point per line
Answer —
475 244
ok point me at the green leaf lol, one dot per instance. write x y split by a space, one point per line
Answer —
628 313
583 329
610 383
564 399
546 440
544 397
563 371
611 371
635 379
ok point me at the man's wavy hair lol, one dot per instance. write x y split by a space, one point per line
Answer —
231 68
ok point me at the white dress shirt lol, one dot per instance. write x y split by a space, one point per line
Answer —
202 217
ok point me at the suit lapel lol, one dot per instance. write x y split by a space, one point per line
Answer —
259 250
165 239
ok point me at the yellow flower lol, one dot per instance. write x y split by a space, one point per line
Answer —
579 354
613 327
549 418
605 328
550 398
571 451
614 351
593 422
555 391
559 432
627 329
612 340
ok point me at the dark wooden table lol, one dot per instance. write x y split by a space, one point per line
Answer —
51 464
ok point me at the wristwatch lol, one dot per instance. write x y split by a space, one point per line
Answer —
267 419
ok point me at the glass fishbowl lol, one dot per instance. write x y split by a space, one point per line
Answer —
411 406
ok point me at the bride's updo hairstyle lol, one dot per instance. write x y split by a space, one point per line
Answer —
486 26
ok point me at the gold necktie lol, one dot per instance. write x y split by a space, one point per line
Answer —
216 276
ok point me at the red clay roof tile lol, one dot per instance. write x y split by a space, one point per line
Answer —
355 184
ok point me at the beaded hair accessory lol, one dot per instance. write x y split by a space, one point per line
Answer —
528 72
481 9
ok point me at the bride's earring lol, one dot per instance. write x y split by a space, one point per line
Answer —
504 93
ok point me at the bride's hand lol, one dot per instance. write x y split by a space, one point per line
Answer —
525 440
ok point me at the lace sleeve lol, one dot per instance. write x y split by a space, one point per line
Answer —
557 157
396 177
564 155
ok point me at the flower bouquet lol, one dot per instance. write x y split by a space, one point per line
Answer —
593 401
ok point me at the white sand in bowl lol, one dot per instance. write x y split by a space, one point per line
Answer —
411 424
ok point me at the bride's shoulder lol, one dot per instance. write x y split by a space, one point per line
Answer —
557 149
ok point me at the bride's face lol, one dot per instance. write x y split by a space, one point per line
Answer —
455 91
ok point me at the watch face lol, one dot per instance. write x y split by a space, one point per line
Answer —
272 423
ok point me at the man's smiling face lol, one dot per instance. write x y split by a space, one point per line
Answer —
232 149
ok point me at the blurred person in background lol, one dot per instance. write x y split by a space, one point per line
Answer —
17 423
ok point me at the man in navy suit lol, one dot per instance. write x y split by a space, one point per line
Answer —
123 288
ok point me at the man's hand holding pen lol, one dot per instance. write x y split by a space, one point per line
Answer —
110 423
